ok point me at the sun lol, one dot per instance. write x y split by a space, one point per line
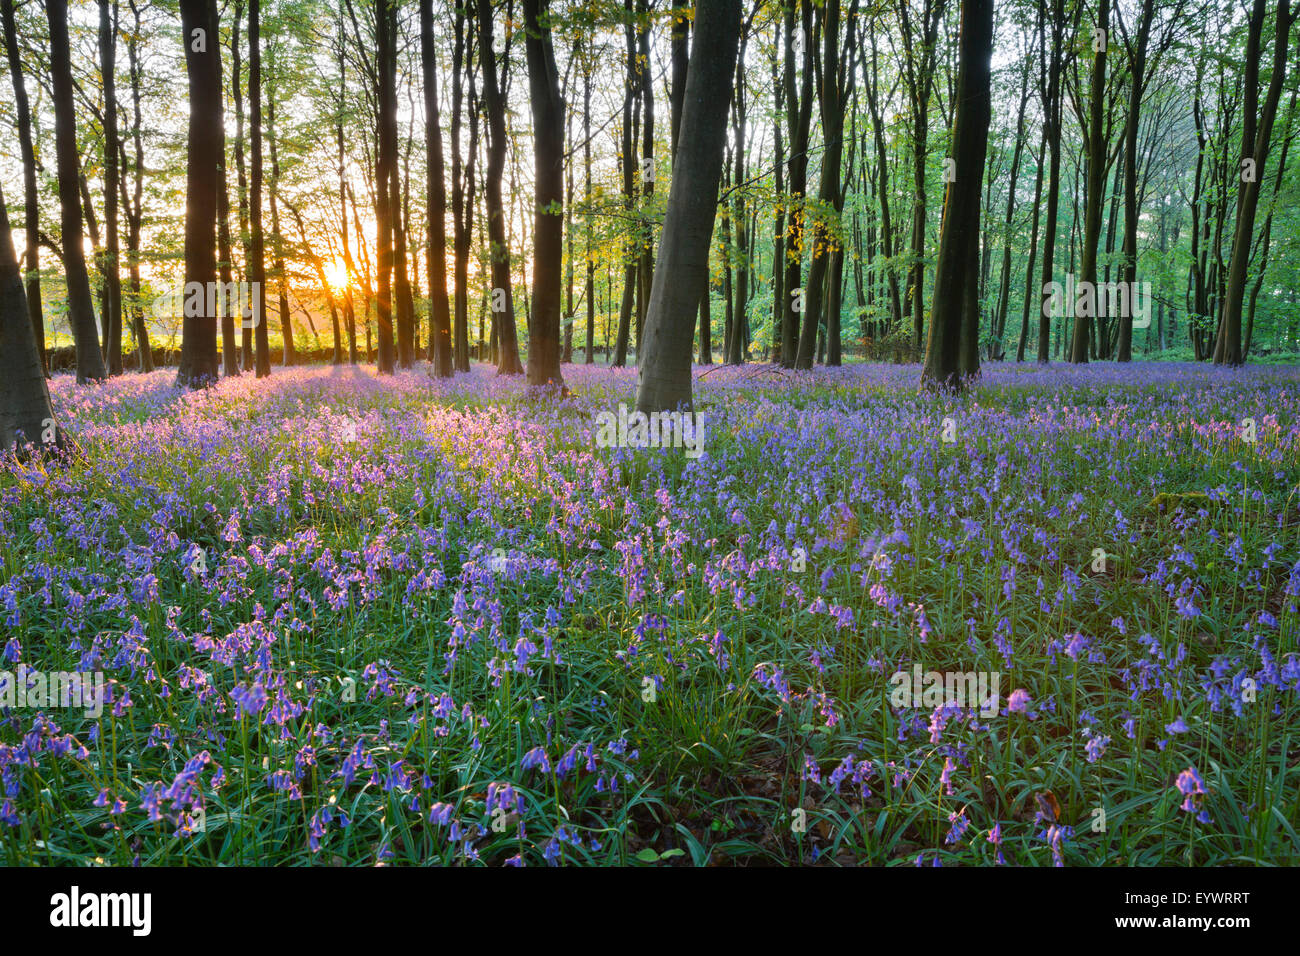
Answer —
336 274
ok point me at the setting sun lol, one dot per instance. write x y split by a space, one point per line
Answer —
336 274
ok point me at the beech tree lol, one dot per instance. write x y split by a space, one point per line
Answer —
81 309
957 274
664 374
31 198
548 172
257 238
501 295
1255 138
113 248
440 344
204 147
24 397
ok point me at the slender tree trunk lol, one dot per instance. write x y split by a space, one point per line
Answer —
798 110
778 225
739 216
1030 297
589 358
1052 108
440 345
257 264
404 300
631 101
646 260
113 250
1004 282
385 162
246 329
135 202
462 179
229 347
289 354
887 246
1094 147
502 292
824 228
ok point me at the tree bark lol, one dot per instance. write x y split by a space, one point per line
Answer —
798 117
664 374
24 396
135 202
81 310
548 177
31 198
289 353
113 248
1228 348
502 289
257 264
440 346
957 270
198 362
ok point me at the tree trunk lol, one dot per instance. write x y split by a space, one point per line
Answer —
1094 147
631 101
736 346
198 363
246 330
349 312
1030 298
24 396
949 350
664 375
589 358
887 247
502 292
257 264
385 162
462 179
548 173
825 222
1004 281
1228 349
798 116
31 198
289 353
440 348
646 260
135 203
113 249
1052 128
81 310
229 348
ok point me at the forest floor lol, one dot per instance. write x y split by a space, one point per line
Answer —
345 620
